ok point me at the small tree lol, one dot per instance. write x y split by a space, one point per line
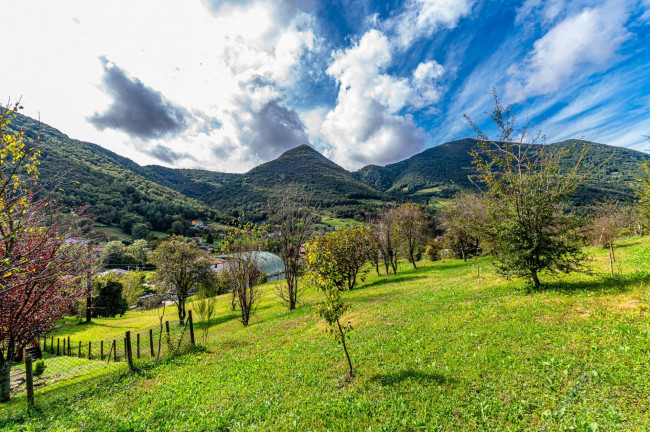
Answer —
410 224
180 267
206 304
133 286
526 188
39 271
352 247
242 269
325 274
295 222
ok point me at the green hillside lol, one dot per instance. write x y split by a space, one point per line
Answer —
85 174
194 183
301 167
433 348
441 170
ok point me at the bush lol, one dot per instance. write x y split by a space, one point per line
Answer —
433 250
39 367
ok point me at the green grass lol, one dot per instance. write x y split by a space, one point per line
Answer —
434 349
333 221
112 232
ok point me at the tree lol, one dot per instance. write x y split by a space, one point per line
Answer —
206 304
325 273
409 224
135 253
385 237
242 269
113 254
352 247
108 300
463 219
140 231
133 286
295 222
180 268
526 188
39 270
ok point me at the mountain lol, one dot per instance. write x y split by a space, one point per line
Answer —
112 186
301 167
193 183
440 171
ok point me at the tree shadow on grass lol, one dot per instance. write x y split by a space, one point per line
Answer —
390 280
604 284
393 378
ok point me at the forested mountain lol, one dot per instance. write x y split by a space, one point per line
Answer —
442 170
118 191
112 186
302 167
193 183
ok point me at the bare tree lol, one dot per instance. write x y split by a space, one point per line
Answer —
242 269
295 221
385 237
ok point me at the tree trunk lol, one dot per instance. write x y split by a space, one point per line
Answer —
411 253
611 250
536 282
5 381
345 348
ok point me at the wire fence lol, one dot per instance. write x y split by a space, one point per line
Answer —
60 361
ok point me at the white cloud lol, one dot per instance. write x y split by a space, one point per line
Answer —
366 125
421 18
578 46
229 69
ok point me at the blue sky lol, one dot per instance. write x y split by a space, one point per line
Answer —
226 85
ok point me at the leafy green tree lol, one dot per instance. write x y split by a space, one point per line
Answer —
325 273
180 268
210 238
129 220
352 246
177 228
526 189
140 231
113 254
108 301
135 252
464 218
133 286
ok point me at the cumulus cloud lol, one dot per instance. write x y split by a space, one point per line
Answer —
583 43
421 18
367 125
138 110
270 131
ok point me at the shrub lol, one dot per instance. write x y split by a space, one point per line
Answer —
433 250
39 367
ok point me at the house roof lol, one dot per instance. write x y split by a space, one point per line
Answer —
269 263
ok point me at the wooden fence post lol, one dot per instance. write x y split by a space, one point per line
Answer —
90 351
167 328
79 349
64 351
191 327
52 345
101 350
58 343
69 347
151 342
127 350
114 349
137 343
29 378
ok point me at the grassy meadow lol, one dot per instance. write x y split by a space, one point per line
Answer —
434 349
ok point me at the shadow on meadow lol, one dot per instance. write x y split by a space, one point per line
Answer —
599 284
393 279
393 378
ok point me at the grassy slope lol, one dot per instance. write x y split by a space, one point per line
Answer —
433 347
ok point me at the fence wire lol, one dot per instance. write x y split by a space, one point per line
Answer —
67 360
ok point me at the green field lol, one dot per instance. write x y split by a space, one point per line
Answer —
434 349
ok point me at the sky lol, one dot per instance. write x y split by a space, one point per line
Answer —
226 85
